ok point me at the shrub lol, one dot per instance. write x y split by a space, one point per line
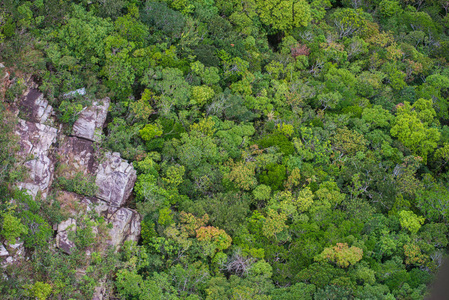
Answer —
81 184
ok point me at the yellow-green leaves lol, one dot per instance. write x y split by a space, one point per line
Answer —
243 174
150 131
209 75
213 239
284 15
304 200
201 95
410 221
165 216
342 255
377 116
174 175
274 223
329 194
12 228
413 130
39 290
349 21
262 192
142 108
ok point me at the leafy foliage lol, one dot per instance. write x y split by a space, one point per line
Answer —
283 149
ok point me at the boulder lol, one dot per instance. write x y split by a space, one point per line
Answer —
35 138
99 293
125 222
125 226
115 179
114 176
40 176
100 207
11 253
69 224
35 142
62 237
34 107
90 122
16 252
3 251
71 94
77 153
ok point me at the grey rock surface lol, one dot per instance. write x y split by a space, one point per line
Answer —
126 226
99 206
62 238
91 120
16 252
34 107
40 176
77 153
125 222
35 142
4 81
71 94
41 146
3 251
35 138
115 179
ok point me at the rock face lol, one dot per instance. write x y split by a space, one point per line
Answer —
74 93
42 146
3 251
90 121
125 222
125 226
77 153
115 179
35 138
34 107
62 238
15 252
35 142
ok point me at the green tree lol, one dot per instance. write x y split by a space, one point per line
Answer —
169 84
349 21
412 127
342 255
12 228
410 221
284 15
213 239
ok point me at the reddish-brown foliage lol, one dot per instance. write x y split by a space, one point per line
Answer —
300 49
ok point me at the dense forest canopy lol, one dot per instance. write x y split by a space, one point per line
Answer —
285 149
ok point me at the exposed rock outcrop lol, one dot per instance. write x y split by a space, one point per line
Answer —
3 251
15 252
62 238
35 138
125 226
125 222
42 146
115 179
77 154
35 142
80 92
34 107
90 121
100 207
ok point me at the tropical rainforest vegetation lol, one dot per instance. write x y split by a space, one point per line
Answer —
285 149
